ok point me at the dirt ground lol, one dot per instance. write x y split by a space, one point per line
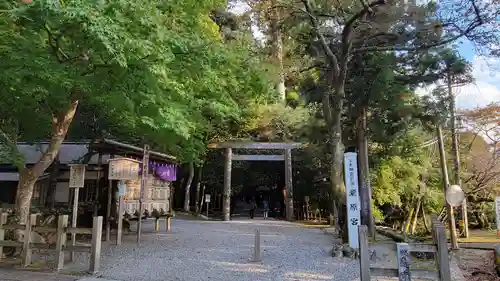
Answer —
477 265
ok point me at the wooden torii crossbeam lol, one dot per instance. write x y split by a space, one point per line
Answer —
229 157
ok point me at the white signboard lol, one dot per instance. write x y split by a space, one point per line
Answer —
76 175
497 210
123 169
207 198
353 203
122 188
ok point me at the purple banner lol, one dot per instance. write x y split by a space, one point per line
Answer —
164 172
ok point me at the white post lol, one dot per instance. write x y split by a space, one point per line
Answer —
119 231
207 201
74 217
95 253
353 203
76 181
256 249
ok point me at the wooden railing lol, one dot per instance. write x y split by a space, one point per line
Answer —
306 212
439 247
62 230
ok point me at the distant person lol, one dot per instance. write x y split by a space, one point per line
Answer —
266 208
253 206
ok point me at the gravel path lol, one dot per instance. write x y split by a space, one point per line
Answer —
207 250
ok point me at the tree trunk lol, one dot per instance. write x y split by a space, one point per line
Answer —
202 199
364 174
198 189
29 176
187 192
277 43
483 219
54 174
415 217
407 224
426 224
175 200
336 172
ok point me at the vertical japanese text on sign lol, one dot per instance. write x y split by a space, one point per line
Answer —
77 175
352 200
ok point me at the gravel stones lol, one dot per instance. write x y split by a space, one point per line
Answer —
208 250
344 250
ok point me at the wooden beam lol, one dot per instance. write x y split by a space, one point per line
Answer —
256 145
289 185
226 203
108 146
258 157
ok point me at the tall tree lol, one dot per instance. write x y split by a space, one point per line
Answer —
361 27
136 61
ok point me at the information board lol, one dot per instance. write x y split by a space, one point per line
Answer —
76 175
123 169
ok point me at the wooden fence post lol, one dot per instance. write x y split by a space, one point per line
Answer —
443 259
3 220
364 253
119 215
27 239
95 253
62 224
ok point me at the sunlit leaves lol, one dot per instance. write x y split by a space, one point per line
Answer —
151 70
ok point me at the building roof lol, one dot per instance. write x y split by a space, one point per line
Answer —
71 152
75 152
107 146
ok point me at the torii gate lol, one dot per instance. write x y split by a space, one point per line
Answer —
286 157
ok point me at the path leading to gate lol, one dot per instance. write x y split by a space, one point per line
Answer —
222 251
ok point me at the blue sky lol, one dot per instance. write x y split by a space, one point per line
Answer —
486 71
486 88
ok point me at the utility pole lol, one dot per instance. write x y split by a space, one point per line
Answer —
446 184
456 154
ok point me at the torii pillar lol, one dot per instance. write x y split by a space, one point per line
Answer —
229 157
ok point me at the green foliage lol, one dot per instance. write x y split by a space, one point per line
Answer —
395 178
278 122
150 71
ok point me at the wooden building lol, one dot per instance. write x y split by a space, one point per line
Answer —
52 189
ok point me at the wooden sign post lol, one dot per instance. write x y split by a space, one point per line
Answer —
207 200
121 169
76 181
144 180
